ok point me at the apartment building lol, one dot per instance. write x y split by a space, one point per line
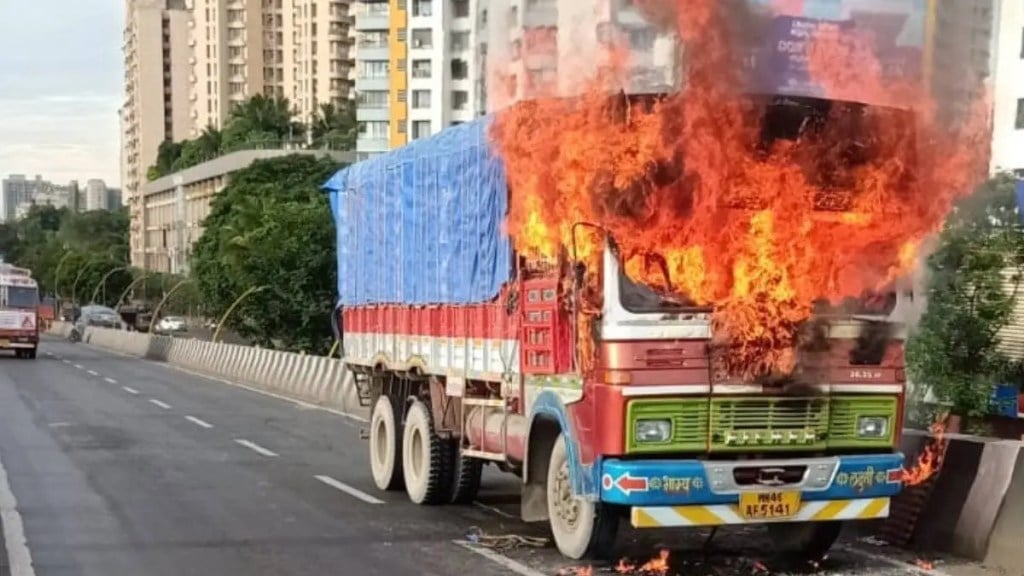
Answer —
419 69
297 49
156 105
1008 89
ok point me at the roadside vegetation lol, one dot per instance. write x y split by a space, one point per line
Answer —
261 122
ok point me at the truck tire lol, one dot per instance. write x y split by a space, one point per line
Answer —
581 528
386 444
426 458
804 540
466 474
30 354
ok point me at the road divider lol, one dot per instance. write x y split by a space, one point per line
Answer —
313 379
975 508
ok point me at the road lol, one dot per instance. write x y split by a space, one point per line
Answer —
125 467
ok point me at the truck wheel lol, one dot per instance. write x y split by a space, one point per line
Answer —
30 354
466 474
426 458
581 528
804 540
385 445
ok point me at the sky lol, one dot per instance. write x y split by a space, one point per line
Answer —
60 89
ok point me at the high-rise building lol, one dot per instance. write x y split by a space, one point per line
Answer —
96 195
17 190
297 49
1008 89
419 69
156 106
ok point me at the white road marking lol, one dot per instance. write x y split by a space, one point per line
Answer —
19 557
494 510
93 373
518 568
255 447
48 353
79 366
199 422
350 418
349 490
111 380
906 566
129 390
156 402
66 361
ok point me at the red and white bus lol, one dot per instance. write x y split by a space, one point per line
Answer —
19 311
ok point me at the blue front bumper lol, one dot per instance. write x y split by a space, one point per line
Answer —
697 482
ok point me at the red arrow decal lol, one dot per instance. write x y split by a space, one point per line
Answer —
628 483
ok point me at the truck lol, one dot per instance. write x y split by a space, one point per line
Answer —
468 353
19 311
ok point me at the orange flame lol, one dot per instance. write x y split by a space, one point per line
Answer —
739 223
929 462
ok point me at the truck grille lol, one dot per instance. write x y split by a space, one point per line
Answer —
745 423
760 423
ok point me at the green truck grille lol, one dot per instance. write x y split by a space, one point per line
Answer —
745 424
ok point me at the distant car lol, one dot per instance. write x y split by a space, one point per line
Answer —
99 316
171 325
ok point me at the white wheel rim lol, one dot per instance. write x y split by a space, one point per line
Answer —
416 455
566 506
380 445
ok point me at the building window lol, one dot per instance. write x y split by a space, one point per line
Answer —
375 39
373 99
420 129
460 8
1020 114
422 38
641 39
373 69
460 41
460 69
374 129
421 68
422 8
460 100
421 98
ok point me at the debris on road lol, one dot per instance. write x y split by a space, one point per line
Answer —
503 542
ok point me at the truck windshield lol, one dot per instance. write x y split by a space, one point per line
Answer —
22 297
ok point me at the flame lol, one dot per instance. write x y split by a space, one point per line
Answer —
657 565
757 231
929 462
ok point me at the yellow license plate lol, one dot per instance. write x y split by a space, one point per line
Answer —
769 505
5 343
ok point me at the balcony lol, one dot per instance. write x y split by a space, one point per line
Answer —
365 114
236 24
372 52
373 16
372 145
372 84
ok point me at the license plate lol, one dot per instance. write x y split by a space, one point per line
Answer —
769 505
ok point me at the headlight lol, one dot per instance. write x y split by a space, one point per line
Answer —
652 431
873 426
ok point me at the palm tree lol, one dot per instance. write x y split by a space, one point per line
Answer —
335 126
261 118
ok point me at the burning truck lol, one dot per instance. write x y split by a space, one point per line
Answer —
680 309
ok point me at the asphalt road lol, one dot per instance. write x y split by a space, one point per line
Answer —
125 467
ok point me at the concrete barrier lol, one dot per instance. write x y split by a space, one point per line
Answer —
976 507
314 379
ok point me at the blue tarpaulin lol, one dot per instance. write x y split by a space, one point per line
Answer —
423 224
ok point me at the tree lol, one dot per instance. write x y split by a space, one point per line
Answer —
166 156
194 152
975 278
261 119
271 227
335 127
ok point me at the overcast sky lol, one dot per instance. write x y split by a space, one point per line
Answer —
60 88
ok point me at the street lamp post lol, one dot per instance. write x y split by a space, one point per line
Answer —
156 311
231 308
103 282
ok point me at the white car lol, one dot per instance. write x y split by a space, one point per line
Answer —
171 324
